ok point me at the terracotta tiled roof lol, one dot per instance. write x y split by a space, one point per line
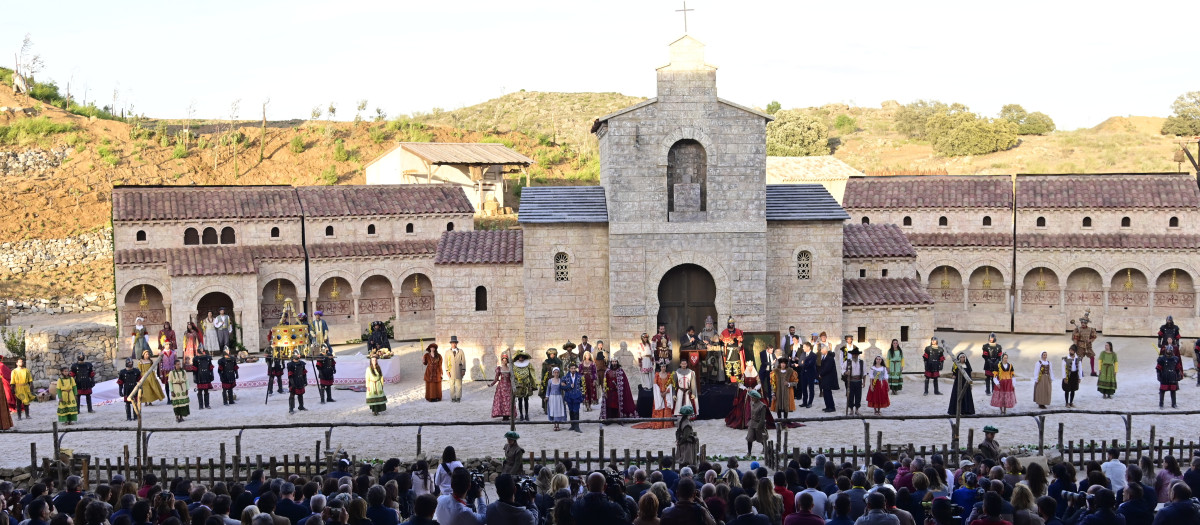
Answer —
480 247
392 199
817 168
1165 190
208 260
371 249
1108 241
140 256
929 191
884 292
875 240
954 240
151 203
466 153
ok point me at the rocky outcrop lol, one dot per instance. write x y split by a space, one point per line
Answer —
46 254
32 162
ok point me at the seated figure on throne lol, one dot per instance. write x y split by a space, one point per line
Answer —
692 349
713 367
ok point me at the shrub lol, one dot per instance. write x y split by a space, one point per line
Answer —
297 145
25 131
794 134
329 176
180 151
1036 123
773 107
491 139
339 151
845 124
378 134
964 133
14 340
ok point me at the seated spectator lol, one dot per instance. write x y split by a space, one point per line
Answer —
745 513
804 514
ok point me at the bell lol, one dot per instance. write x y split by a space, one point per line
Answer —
1180 156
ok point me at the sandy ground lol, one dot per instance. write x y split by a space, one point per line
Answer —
1137 391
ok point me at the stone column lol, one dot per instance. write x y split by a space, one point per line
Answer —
1195 302
240 331
1017 306
1151 310
1106 290
1062 301
966 301
396 305
354 301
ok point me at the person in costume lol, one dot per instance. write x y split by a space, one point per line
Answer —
1195 358
319 333
844 349
85 379
687 444
140 337
523 383
591 380
934 358
210 334
1082 336
433 373
224 327
180 400
1004 396
8 402
808 375
991 359
756 427
714 361
664 399
22 386
877 392
572 387
661 341
68 400
127 379
852 374
569 355
456 369
514 455
827 375
275 368
1072 371
619 402
1169 369
378 340
989 448
552 361
502 399
960 392
167 357
556 408
793 353
202 376
1168 333
193 339
686 392
376 399
766 366
739 416
227 370
1045 378
297 375
735 357
151 389
784 383
690 346
584 346
645 360
895 366
326 370
602 360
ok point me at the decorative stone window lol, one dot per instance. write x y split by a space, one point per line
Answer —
987 221
866 220
561 272
450 226
1087 222
804 265
408 228
1041 222
209 237
191 236
687 178
228 236
370 229
943 221
329 231
141 236
275 232
1173 223
907 221
480 299
1126 222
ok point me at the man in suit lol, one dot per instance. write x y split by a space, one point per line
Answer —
456 368
827 376
224 327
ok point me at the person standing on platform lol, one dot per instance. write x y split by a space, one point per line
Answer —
140 338
318 333
180 400
827 374
378 340
784 383
456 369
202 375
376 399
645 360
766 367
895 366
85 379
22 385
1082 336
524 384
68 400
1042 386
664 399
1168 333
661 340
227 369
224 327
877 392
808 375
714 359
193 339
433 373
126 380
548 365
1072 371
686 393
991 358
855 370
166 363
619 402
502 399
793 352
735 356
151 390
572 385
689 348
756 428
1169 369
960 393
934 358
297 375
584 346
210 333
1004 396
326 371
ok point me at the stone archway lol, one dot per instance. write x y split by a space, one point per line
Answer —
376 302
214 302
145 301
686 295
270 303
1174 294
415 317
1084 292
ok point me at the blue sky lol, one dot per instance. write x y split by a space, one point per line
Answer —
1080 62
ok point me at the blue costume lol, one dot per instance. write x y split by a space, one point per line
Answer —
572 392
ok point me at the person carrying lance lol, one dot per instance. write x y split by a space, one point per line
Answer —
297 374
227 369
202 375
326 368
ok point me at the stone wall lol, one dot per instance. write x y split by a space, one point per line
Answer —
482 334
813 304
33 161
886 267
927 220
1108 220
91 302
46 254
555 310
886 323
49 349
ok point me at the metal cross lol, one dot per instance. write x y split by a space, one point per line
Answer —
685 12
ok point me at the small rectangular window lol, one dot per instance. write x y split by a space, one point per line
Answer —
903 334
884 272
862 272
862 334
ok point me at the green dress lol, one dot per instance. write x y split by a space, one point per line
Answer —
68 400
376 399
1107 384
895 364
180 397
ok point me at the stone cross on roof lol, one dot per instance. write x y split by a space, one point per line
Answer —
685 11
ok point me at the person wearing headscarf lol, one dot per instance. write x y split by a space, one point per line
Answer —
962 387
1004 396
68 400
211 343
991 358
127 379
645 360
556 408
877 390
180 400
1044 379
895 366
85 378
524 384
140 337
433 373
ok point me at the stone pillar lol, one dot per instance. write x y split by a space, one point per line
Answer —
354 301
966 301
1151 310
240 332
1106 290
1017 306
396 305
167 316
1196 300
1062 301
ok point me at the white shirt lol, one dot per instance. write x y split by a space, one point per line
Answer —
819 500
451 512
1114 470
442 477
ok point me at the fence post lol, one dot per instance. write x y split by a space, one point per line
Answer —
602 447
1060 437
1128 434
1151 444
418 440
33 460
970 443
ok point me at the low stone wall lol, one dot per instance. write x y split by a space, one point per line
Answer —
91 302
32 162
46 254
47 350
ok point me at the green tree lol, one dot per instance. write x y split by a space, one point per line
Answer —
773 107
1013 113
961 133
845 124
1186 120
911 118
1036 123
795 134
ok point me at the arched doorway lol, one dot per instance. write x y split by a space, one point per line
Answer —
1174 295
1129 293
415 319
1084 293
375 301
274 293
143 301
686 295
214 302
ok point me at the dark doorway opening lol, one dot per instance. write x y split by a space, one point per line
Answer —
686 295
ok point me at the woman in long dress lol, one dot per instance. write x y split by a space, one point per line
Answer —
664 400
895 366
166 348
1004 396
587 369
1043 386
151 389
193 339
7 401
210 334
961 373
556 409
141 337
645 361
376 399
878 377
433 373
68 398
502 399
22 385
739 416
181 402
1107 383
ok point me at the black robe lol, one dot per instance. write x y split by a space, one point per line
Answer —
968 402
297 373
827 372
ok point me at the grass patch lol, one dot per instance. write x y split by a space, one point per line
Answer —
26 131
296 146
490 139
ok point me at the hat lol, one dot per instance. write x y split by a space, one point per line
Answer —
520 355
990 430
815 335
344 461
1170 319
854 350
754 465
301 315
118 479
568 346
128 361
686 411
318 312
454 339
755 394
433 346
80 356
295 354
552 350
511 435
730 321
992 335
965 463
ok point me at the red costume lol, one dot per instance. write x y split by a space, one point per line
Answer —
619 401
